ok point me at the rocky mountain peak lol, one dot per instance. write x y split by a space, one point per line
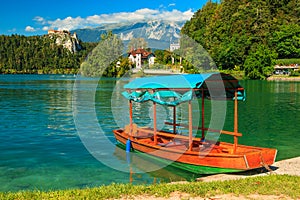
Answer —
158 33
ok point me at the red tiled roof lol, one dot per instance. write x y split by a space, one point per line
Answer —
144 53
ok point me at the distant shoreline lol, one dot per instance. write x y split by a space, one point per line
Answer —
281 78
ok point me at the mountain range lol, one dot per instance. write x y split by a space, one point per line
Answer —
158 34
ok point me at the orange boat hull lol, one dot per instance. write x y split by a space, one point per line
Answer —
219 155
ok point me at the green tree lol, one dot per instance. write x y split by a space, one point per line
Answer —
103 59
125 66
259 64
195 56
232 30
38 54
196 28
286 41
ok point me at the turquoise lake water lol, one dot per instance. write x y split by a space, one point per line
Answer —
47 130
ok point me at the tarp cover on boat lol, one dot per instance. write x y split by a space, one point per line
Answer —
174 89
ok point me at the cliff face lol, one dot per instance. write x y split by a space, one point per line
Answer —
65 39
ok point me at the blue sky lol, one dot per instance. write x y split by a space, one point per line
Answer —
35 17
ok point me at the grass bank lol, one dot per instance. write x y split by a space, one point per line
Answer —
278 185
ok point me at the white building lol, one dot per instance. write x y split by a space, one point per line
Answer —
140 56
174 46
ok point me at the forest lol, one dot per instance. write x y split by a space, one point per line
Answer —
39 55
249 35
244 35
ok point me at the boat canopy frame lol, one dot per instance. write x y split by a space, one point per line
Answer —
173 90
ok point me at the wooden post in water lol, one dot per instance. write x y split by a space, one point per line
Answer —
235 120
154 123
190 126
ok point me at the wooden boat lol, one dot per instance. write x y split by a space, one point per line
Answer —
189 152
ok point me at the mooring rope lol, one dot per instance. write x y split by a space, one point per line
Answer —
263 163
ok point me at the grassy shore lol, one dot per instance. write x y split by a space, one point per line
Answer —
279 185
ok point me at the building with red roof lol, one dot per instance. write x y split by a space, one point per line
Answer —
140 57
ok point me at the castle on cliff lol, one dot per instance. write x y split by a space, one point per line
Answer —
65 39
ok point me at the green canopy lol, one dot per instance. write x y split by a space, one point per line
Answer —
174 89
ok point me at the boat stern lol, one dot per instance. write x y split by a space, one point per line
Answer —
263 158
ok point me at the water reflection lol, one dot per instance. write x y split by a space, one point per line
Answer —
138 163
40 147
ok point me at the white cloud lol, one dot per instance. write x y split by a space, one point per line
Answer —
144 14
40 20
171 4
30 29
45 28
188 14
68 23
175 15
